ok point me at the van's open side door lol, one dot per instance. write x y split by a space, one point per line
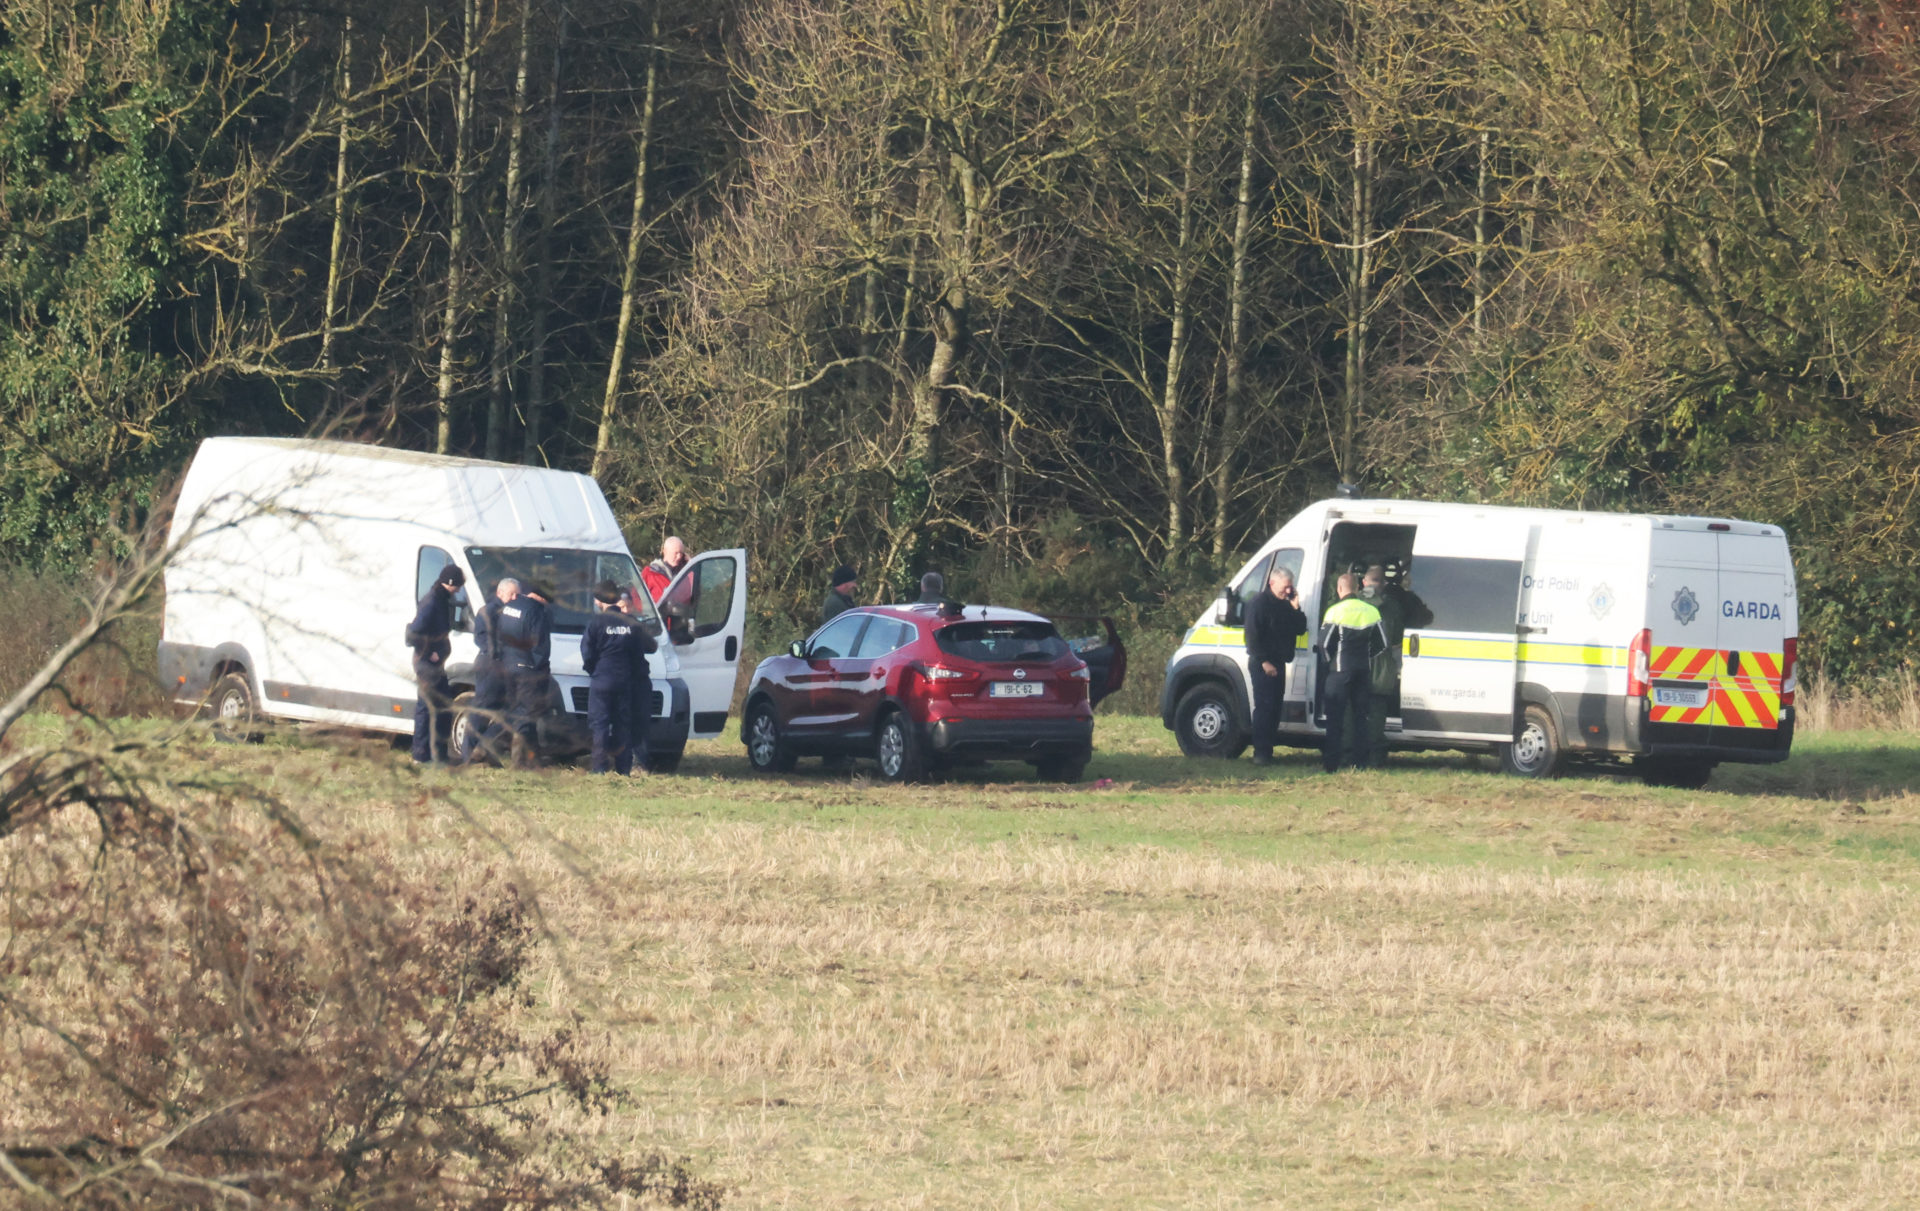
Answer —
1461 652
705 613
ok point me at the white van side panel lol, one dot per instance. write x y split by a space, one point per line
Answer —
1581 604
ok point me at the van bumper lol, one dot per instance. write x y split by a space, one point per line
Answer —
1733 745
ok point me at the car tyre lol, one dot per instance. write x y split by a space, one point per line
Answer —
1064 767
1205 725
767 749
898 749
1675 772
1535 750
235 716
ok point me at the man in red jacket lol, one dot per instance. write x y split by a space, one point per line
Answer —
660 573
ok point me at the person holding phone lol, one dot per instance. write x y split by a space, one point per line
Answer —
1274 623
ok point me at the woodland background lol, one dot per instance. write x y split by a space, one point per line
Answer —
1073 300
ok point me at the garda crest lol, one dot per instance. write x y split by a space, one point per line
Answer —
1686 607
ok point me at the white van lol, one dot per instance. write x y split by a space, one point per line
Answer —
1536 634
298 565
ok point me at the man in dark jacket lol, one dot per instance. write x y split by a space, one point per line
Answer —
1273 623
839 593
489 703
525 642
1350 637
1385 696
428 636
614 651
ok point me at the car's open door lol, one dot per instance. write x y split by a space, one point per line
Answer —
705 613
1105 656
1461 650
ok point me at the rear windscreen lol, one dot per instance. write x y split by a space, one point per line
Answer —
1002 642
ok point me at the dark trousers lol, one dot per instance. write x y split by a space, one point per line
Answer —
1267 695
432 712
617 720
1348 697
1379 704
528 694
485 718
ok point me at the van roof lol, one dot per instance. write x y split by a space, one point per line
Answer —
345 449
1355 509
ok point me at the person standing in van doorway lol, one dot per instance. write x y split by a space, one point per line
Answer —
1385 690
428 636
614 652
839 593
1274 623
488 708
1350 637
660 573
525 646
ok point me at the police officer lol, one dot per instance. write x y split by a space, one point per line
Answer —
1274 621
428 635
614 653
524 642
1385 694
1350 637
839 593
484 717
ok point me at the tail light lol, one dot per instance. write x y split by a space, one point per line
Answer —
1083 673
1790 671
944 677
1639 658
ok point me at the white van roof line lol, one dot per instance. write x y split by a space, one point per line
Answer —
1356 508
315 445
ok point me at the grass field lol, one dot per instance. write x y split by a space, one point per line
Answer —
1210 986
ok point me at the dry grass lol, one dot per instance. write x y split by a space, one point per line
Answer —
1428 987
1889 704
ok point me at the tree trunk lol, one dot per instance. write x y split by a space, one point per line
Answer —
1229 435
509 253
1480 239
543 259
1169 407
1359 270
603 439
337 246
456 229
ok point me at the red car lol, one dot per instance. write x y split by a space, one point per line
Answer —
918 686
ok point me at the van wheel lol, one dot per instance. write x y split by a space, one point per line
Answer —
1205 725
897 749
235 719
1675 772
464 726
767 750
1534 751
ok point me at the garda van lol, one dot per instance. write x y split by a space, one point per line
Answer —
297 564
1538 635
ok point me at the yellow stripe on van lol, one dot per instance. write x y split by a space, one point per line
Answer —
1230 637
1585 654
1446 648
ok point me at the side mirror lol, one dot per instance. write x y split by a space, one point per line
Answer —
1223 608
798 648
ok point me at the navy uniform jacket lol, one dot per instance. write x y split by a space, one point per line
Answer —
615 648
432 622
1272 626
522 635
486 626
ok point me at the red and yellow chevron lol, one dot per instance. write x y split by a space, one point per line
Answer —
1748 698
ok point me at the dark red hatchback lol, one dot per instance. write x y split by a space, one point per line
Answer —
916 687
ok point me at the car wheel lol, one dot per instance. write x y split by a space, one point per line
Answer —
897 748
767 749
1064 767
1675 772
1534 751
234 718
1205 725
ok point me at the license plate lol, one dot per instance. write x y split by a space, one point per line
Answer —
1015 689
1667 695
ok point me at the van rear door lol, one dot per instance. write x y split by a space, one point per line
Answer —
1683 612
1461 651
705 613
1754 607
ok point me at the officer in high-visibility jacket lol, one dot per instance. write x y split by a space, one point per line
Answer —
614 651
1350 637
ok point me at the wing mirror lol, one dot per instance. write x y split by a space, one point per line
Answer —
798 648
1223 608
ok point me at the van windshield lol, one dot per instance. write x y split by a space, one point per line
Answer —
571 575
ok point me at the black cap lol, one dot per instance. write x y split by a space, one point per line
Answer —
842 575
607 593
451 574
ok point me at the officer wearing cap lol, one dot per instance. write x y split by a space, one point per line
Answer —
525 642
428 636
614 651
839 593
